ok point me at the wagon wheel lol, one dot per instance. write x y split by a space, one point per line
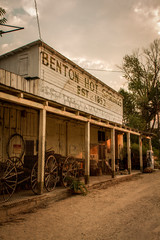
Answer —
17 161
8 179
15 146
51 173
69 170
34 178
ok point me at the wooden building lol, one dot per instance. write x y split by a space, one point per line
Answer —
54 103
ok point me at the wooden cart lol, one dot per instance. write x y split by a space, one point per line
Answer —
57 169
14 172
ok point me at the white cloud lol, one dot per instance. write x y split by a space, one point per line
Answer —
94 34
16 20
31 11
92 64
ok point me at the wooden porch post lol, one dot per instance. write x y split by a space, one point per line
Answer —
67 139
140 154
129 151
87 152
41 150
113 151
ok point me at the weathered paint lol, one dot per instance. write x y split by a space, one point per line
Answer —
15 81
65 84
52 76
17 119
23 62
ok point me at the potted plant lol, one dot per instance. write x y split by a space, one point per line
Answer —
76 186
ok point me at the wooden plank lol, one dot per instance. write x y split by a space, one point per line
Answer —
35 134
22 84
65 113
60 112
129 152
31 84
27 85
18 122
87 151
113 151
20 101
6 135
13 80
8 78
32 124
35 86
41 149
24 125
6 117
28 124
13 118
19 82
2 76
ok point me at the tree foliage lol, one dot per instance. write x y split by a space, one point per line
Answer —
142 71
131 115
2 18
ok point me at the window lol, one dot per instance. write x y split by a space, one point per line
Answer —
101 136
29 147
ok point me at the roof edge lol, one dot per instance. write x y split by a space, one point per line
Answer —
42 43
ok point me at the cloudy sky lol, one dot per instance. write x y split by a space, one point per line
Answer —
96 34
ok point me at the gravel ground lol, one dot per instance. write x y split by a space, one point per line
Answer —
128 210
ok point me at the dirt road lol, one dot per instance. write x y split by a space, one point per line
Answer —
126 211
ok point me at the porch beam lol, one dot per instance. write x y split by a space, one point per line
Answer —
19 100
62 112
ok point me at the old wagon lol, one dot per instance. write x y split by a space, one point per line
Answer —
14 171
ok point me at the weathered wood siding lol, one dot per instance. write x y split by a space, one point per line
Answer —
66 84
76 140
15 81
23 62
16 119
64 137
61 81
55 135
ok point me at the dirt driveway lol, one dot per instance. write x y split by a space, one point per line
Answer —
128 210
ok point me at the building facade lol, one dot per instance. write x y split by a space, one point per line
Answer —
55 104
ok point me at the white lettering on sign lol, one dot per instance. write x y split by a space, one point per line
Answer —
85 87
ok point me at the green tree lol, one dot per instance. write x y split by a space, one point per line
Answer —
2 18
131 115
142 70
